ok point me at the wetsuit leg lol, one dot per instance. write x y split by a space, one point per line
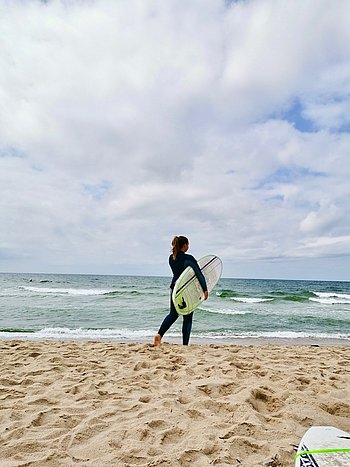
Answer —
168 320
186 328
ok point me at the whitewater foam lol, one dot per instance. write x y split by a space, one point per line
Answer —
79 334
330 298
225 311
118 335
66 291
251 299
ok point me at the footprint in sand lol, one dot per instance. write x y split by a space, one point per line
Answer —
264 401
172 436
244 429
157 424
195 414
338 408
219 390
182 399
145 399
44 418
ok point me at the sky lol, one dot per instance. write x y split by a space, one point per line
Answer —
124 123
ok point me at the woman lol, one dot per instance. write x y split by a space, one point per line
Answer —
178 262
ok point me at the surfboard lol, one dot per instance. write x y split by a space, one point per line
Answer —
324 446
188 293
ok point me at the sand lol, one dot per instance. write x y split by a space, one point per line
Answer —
109 404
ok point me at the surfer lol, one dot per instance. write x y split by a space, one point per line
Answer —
179 260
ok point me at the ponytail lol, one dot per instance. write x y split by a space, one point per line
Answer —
177 245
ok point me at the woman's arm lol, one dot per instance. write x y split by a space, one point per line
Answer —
194 265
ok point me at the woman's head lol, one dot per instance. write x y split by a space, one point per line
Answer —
178 244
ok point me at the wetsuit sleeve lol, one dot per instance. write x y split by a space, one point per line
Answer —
194 265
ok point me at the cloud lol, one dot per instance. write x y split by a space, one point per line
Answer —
125 123
325 219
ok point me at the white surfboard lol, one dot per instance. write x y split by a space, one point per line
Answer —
324 446
188 293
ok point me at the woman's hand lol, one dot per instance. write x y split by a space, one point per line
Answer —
206 295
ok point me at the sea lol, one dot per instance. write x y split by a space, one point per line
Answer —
131 308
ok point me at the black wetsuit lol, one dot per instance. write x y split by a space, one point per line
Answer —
178 266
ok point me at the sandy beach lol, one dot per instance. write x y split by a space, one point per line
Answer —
109 404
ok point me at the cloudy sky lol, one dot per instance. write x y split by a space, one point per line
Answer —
124 123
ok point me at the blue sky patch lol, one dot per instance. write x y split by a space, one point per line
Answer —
273 199
97 191
10 151
288 175
294 115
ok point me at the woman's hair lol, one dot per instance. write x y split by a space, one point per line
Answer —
177 244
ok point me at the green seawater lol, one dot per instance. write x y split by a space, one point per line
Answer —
131 308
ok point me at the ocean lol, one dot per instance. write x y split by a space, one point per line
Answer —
131 308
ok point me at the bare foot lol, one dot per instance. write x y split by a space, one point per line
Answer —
156 340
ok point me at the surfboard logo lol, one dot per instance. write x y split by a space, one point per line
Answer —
182 305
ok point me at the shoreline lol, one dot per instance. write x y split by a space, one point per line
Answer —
243 341
262 341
